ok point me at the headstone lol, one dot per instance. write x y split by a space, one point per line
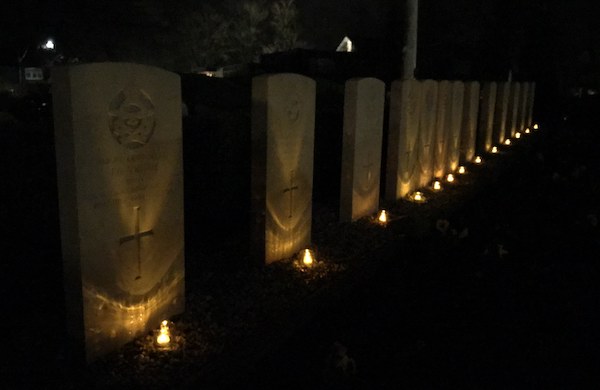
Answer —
513 107
402 171
530 103
501 111
425 143
361 151
283 122
523 106
120 181
455 125
469 126
442 128
486 117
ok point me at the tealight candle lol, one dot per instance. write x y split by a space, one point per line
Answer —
494 149
478 159
517 135
462 170
163 337
507 141
450 178
307 260
382 217
437 185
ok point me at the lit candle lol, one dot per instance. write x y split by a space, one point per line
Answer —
418 197
382 217
535 127
163 337
462 170
450 178
507 141
517 135
478 159
437 185
527 131
494 149
307 260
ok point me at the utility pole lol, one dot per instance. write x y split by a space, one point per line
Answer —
409 50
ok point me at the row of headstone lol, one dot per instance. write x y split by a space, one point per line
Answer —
119 158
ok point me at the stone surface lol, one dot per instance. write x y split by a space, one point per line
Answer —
486 117
523 106
512 111
442 128
361 150
425 143
120 181
455 125
469 121
500 112
530 104
283 122
402 173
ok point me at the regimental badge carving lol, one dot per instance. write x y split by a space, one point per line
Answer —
131 118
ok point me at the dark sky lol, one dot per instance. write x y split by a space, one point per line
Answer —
457 38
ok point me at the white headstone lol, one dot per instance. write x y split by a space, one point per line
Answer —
425 143
455 125
402 171
469 126
523 106
120 181
530 103
361 150
486 117
442 128
283 122
501 112
513 108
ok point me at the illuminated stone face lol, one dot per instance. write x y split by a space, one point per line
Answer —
441 138
402 164
513 110
455 121
118 144
361 148
469 125
486 116
283 116
427 130
500 112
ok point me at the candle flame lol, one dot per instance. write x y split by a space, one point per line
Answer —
450 178
527 131
478 159
494 149
462 170
163 337
437 185
517 135
418 197
307 259
382 217
507 142
535 127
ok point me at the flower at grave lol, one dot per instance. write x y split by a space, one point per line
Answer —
527 131
437 186
494 149
478 159
307 259
382 218
450 178
462 170
535 127
507 141
517 135
164 337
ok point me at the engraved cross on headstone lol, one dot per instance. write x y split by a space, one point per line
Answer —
137 236
291 190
